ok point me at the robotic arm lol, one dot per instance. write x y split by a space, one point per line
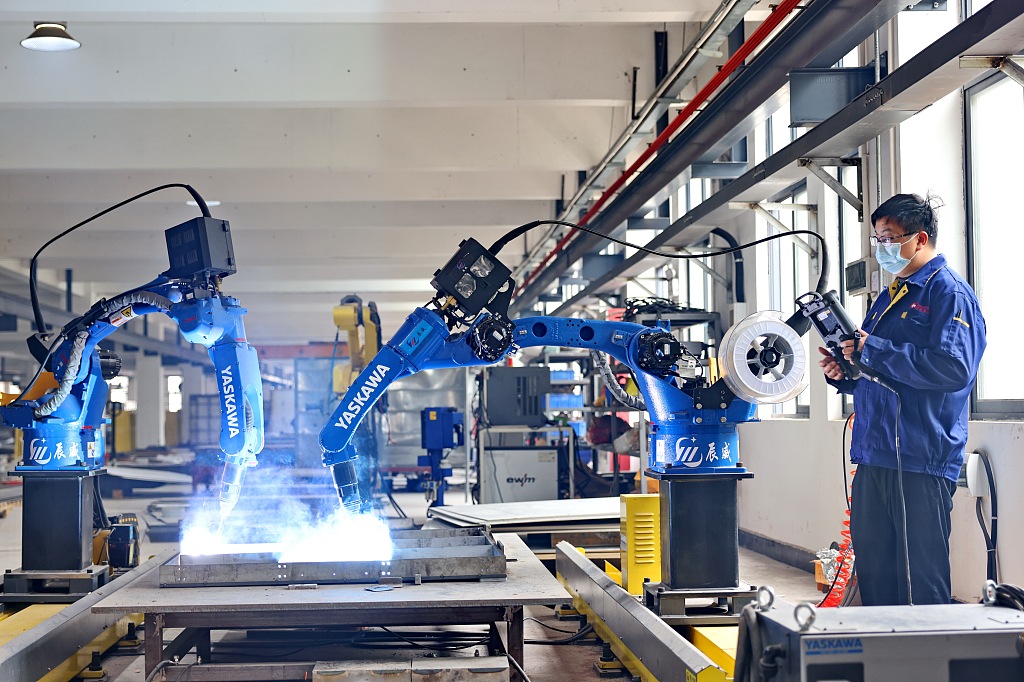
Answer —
62 429
693 421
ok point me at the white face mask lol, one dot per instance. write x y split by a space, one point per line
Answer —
889 258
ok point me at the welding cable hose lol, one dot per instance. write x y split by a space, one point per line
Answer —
74 363
66 381
748 646
632 401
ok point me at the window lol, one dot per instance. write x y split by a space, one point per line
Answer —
119 393
788 276
174 393
851 248
995 111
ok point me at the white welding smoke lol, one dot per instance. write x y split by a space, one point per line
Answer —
288 529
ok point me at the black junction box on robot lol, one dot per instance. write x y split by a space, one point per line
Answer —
200 247
472 277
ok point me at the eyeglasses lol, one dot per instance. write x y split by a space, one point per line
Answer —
875 241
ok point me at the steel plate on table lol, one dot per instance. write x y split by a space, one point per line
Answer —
455 554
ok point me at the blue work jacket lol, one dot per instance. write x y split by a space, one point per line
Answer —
927 340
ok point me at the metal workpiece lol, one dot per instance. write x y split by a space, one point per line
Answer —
637 635
423 555
32 655
933 643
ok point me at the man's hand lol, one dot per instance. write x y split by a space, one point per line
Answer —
830 366
851 346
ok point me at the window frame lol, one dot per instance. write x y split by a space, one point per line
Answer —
775 258
982 409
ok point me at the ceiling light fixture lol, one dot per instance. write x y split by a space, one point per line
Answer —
50 36
211 203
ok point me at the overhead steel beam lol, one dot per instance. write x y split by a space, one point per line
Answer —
821 31
998 28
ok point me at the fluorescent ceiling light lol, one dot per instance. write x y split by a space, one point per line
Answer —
208 203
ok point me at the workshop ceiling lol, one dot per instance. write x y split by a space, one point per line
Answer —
352 144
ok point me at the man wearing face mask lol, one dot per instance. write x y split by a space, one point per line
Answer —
924 337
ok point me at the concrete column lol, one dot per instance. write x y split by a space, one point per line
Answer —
151 394
193 382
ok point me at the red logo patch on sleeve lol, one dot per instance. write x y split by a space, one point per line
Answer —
917 306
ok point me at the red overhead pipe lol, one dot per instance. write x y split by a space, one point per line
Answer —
780 12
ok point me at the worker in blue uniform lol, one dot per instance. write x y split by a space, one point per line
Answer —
923 338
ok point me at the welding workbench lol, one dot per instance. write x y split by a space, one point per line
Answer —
202 609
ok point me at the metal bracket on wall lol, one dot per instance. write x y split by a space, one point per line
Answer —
815 166
717 276
763 210
1008 64
927 6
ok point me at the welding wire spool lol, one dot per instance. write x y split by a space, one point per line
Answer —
763 359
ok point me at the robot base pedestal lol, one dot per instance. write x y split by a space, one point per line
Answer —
52 587
697 606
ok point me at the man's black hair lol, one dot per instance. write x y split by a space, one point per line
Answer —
911 213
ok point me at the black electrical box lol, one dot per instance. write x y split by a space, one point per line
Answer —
201 248
515 395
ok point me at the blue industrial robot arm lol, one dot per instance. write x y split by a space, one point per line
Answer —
62 429
693 427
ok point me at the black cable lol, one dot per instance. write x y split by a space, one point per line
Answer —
549 627
494 467
1010 596
33 294
739 291
903 502
846 485
410 642
586 630
159 667
518 667
391 499
39 370
523 229
992 568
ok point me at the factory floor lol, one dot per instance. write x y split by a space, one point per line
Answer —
543 663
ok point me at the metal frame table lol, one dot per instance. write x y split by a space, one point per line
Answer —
201 609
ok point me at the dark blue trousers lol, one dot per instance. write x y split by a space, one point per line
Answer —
876 527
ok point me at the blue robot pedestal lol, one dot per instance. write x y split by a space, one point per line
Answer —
441 429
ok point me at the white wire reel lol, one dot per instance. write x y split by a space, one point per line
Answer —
763 360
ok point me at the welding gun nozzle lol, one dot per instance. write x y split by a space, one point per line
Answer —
346 480
230 487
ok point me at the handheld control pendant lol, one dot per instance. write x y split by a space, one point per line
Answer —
832 323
